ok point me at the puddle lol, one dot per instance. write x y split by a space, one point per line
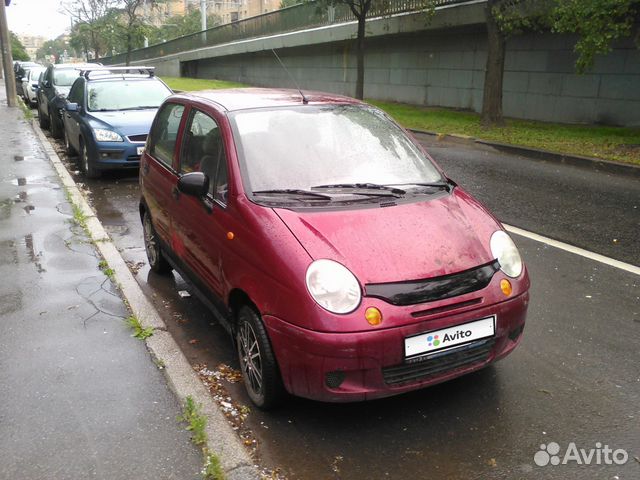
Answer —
31 252
22 182
22 158
29 208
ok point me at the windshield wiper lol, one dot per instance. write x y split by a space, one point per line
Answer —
292 191
440 185
141 107
363 189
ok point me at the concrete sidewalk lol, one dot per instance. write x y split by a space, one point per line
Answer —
79 396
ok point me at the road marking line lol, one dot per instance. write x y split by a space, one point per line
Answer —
575 250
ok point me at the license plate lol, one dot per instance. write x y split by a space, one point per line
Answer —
449 337
140 150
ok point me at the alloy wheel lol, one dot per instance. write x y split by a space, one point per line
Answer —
250 359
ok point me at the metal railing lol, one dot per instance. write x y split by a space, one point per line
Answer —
297 17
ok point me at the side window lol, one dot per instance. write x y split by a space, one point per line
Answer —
203 151
162 139
74 93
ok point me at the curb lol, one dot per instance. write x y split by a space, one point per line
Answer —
596 164
183 381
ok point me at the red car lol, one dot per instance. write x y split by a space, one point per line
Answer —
348 266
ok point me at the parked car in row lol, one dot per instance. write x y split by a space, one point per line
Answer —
108 115
30 85
20 70
53 89
347 265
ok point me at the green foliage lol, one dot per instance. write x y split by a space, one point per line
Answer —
196 422
138 331
181 25
25 110
518 16
212 469
55 47
289 3
18 51
598 23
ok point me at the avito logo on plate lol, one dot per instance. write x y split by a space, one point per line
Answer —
549 454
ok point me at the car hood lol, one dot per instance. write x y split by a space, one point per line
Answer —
404 242
127 122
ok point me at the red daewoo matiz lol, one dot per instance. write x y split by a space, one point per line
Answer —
348 266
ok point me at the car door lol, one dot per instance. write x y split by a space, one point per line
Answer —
203 222
158 177
45 91
72 120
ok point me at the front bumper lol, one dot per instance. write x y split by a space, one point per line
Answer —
343 367
116 155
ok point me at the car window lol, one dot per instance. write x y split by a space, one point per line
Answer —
203 151
162 139
64 77
75 94
125 94
299 148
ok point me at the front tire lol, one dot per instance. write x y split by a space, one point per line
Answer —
56 128
156 259
257 361
67 145
86 165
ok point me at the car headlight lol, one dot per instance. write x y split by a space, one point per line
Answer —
503 248
106 135
333 286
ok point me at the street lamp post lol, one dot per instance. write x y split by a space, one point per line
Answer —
7 60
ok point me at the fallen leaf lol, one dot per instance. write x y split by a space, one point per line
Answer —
492 462
193 341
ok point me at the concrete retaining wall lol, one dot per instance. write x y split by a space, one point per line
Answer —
437 63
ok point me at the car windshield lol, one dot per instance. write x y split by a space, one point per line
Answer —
125 94
34 73
64 77
301 148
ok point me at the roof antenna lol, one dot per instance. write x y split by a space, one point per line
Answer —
304 99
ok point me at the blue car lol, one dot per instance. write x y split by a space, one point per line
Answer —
108 115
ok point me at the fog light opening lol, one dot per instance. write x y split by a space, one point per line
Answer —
334 379
505 286
373 316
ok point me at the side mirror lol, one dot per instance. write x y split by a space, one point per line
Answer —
194 183
47 84
71 107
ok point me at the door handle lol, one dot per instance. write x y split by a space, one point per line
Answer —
145 169
175 193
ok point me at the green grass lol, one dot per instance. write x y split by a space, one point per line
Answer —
28 115
138 331
609 143
190 84
196 422
212 469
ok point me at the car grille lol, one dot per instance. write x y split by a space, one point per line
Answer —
437 363
137 138
437 288
133 158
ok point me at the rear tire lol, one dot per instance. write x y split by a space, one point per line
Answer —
155 256
257 361
86 165
42 121
56 129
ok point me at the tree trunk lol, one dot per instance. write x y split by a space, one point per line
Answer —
128 60
492 99
360 57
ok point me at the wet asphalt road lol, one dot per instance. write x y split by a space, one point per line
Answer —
575 377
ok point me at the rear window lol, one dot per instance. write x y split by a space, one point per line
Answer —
125 94
64 77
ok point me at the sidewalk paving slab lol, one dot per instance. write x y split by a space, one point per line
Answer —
80 397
